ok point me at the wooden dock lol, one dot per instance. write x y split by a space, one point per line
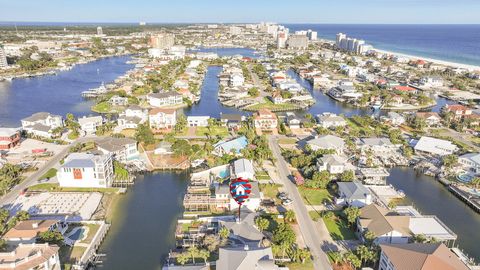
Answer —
462 195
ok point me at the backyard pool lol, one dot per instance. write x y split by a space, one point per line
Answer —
77 234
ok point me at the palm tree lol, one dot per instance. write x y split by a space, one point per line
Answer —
204 254
363 253
303 254
224 232
182 258
475 182
336 257
193 251
262 223
290 216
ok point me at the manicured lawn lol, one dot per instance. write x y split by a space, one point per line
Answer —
213 131
92 230
287 141
271 106
105 107
262 175
314 215
128 132
315 196
52 172
299 266
270 190
339 228
68 255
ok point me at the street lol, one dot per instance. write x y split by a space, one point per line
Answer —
307 227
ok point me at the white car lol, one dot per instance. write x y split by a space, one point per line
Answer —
287 201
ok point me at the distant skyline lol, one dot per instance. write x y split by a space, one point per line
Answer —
218 11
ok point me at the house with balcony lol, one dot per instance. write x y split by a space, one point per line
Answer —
353 194
164 99
327 142
334 164
41 124
122 149
162 118
86 171
31 256
9 138
132 117
265 119
89 124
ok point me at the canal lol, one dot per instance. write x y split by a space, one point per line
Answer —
57 94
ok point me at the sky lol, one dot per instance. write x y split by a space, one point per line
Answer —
227 11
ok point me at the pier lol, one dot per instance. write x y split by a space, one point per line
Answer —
470 200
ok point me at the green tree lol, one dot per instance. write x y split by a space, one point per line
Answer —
253 92
290 216
144 134
204 254
369 237
211 242
193 251
183 258
347 176
336 257
182 148
449 161
51 237
224 232
352 213
181 124
262 223
353 260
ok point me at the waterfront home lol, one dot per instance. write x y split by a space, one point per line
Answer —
242 168
353 194
292 121
330 120
122 149
434 81
344 90
327 142
197 121
118 101
223 199
277 98
432 119
132 117
164 99
89 124
27 231
334 164
387 226
394 118
41 124
244 230
162 118
9 138
86 170
470 162
245 258
236 79
459 111
373 176
266 120
419 256
405 89
435 146
30 256
379 146
232 146
163 148
232 121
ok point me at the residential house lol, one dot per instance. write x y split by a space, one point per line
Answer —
344 90
292 121
164 99
122 149
244 230
470 162
435 146
132 117
245 258
387 226
419 256
31 256
374 176
232 121
242 168
89 124
405 89
86 170
225 201
431 81
331 120
394 118
432 119
27 231
118 101
236 79
197 121
353 194
459 111
232 146
334 164
327 142
9 138
162 118
379 146
265 119
41 124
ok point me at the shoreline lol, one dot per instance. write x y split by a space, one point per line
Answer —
447 63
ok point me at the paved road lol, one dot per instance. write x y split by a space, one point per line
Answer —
32 179
307 227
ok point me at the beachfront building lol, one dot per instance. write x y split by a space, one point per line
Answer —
89 124
378 145
232 121
9 138
86 170
164 99
265 119
418 256
41 124
297 42
132 117
162 118
234 146
3 57
31 256
353 194
345 90
197 121
122 149
334 164
434 146
327 142
162 41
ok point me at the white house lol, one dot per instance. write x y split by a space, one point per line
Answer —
162 118
327 142
89 124
86 170
197 121
431 81
164 99
132 117
41 124
331 120
225 201
236 79
435 146
122 149
118 101
334 164
353 194
470 162
242 168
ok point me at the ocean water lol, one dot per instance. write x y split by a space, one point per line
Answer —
454 43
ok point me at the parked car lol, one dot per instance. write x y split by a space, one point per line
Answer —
287 201
282 196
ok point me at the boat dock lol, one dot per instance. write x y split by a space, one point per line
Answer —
472 201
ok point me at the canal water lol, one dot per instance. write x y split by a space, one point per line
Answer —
430 197
144 220
59 94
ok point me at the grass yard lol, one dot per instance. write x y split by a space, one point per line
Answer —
52 172
315 215
270 190
213 131
262 175
128 132
287 141
105 107
339 228
315 196
299 266
69 255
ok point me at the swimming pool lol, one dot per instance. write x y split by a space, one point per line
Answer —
77 234
224 174
465 178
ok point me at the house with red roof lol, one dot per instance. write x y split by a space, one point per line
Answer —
459 111
405 89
